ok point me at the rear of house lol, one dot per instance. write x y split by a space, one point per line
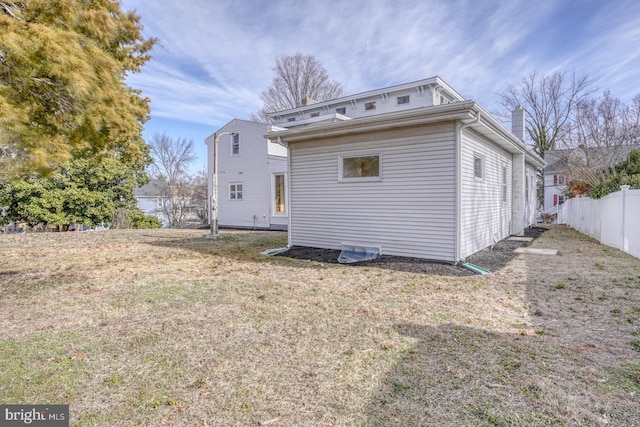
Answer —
251 177
439 181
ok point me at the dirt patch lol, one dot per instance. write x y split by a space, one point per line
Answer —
493 258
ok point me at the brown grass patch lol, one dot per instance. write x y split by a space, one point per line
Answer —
163 327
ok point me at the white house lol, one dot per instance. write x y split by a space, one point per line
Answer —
252 173
413 169
151 200
557 176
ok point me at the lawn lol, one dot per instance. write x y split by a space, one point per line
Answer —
164 327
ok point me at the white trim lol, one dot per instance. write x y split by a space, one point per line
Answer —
352 154
273 195
477 156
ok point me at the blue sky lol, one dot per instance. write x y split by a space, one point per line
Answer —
214 57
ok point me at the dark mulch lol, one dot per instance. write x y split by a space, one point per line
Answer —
493 258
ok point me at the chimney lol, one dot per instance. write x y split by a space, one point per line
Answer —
308 101
518 123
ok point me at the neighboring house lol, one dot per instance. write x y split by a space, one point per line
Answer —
154 200
557 176
252 173
151 201
413 169
582 163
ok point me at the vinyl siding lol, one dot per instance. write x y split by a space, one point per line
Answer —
485 219
252 168
409 212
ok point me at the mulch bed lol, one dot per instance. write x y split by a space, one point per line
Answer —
493 258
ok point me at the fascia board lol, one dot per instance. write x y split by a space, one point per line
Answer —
418 116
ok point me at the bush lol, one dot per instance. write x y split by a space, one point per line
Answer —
140 220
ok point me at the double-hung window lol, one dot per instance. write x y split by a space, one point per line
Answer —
235 191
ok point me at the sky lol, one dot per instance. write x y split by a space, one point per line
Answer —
215 57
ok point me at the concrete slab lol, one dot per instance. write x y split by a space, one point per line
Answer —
520 239
537 251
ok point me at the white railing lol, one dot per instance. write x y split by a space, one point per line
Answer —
612 220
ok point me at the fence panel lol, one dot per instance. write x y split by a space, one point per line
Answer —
631 223
612 225
613 220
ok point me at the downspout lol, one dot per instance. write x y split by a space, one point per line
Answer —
458 184
288 185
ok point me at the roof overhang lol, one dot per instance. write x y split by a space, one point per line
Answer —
465 112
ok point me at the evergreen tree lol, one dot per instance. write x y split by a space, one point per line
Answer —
62 89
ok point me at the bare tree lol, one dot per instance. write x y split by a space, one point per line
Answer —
603 134
550 103
298 79
172 157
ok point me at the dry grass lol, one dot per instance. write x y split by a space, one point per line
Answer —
163 327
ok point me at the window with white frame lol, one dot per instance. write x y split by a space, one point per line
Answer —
235 191
478 166
561 180
361 167
369 105
341 110
504 184
402 99
235 144
279 190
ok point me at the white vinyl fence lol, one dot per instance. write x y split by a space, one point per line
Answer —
613 220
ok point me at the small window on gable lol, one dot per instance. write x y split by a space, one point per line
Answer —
369 105
314 115
235 191
341 110
359 167
403 99
235 144
478 167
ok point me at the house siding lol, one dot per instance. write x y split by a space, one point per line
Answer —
485 218
252 168
407 212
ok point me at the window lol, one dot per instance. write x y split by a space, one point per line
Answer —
235 191
159 202
369 105
478 167
560 199
314 115
403 99
235 144
342 110
526 189
561 180
504 184
279 193
291 119
361 168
